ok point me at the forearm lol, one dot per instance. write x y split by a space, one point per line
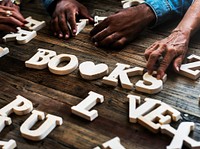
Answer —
191 21
167 9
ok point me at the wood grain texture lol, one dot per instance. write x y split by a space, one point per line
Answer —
55 94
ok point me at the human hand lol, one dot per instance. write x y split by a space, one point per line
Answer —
66 12
171 49
10 18
121 28
8 3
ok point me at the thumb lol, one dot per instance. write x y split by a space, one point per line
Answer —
177 63
86 15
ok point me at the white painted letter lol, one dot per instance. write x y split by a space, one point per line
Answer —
113 144
68 68
149 84
192 69
180 135
22 36
19 106
40 59
4 121
123 75
41 132
11 144
82 109
34 25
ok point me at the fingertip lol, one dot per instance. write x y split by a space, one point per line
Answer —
91 20
74 32
66 36
96 44
60 35
158 76
150 72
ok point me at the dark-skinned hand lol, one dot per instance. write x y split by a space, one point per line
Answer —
170 50
119 29
9 23
65 14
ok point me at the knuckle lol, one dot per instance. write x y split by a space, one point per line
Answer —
153 55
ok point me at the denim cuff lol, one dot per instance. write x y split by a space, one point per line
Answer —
49 5
161 10
167 9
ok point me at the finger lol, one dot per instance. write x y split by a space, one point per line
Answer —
102 35
149 50
86 14
18 16
56 27
64 27
9 4
7 28
11 20
99 27
71 18
171 53
154 56
120 43
177 63
109 40
3 3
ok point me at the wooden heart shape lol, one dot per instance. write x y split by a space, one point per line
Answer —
90 71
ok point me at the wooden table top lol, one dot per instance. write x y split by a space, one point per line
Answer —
56 94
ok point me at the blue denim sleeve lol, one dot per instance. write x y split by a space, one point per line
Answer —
47 3
168 9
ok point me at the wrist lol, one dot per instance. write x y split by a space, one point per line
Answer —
184 31
148 14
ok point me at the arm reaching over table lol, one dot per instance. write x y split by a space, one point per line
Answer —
121 28
65 12
10 18
174 48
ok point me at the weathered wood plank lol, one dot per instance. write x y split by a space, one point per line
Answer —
56 94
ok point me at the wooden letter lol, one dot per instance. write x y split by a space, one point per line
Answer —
152 114
192 69
68 68
82 109
113 144
11 144
19 106
40 133
3 51
123 75
4 121
132 106
180 135
34 25
149 85
98 19
40 59
81 24
90 71
22 36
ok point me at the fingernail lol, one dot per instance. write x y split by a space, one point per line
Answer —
74 31
60 35
96 44
150 72
66 36
158 77
177 69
